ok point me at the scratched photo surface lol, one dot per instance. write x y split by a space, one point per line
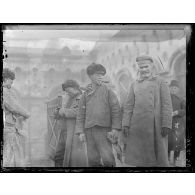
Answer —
43 57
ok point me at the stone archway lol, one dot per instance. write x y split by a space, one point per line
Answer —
123 81
177 67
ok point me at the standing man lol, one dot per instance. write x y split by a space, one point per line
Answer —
13 146
98 117
69 152
147 118
177 135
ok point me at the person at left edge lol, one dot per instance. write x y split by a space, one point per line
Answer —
13 140
98 114
69 152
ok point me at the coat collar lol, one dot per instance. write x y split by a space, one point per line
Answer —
89 90
152 77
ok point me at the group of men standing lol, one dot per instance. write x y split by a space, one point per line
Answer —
141 128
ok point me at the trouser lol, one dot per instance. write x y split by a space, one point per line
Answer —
176 143
99 149
60 149
13 148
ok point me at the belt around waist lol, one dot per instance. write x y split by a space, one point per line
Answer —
9 124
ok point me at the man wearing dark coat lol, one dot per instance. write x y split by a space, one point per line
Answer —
70 152
177 134
147 118
98 117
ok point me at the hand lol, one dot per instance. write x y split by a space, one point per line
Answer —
175 113
56 113
82 137
61 111
125 131
113 136
164 131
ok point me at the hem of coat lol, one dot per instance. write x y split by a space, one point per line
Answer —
134 164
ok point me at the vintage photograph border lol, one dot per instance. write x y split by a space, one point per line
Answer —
190 127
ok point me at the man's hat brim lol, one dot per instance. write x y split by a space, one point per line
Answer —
174 83
144 58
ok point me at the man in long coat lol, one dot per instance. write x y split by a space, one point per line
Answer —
147 118
70 151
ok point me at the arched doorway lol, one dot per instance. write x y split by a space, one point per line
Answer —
124 80
178 69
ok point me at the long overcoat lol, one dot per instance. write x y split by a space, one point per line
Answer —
147 109
74 155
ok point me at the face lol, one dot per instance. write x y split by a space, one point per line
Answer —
97 78
174 90
145 68
8 83
72 91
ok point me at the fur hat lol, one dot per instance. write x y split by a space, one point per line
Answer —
93 68
174 83
70 83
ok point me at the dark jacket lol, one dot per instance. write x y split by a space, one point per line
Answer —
177 135
180 105
98 108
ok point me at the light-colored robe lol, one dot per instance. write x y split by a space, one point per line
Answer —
13 140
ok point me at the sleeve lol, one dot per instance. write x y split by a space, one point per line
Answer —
80 119
13 106
166 105
182 111
128 107
72 112
115 110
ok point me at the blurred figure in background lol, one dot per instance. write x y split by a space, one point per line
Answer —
70 152
98 118
14 115
147 118
177 134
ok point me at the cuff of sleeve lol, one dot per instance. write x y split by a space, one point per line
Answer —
125 124
78 131
116 128
167 126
